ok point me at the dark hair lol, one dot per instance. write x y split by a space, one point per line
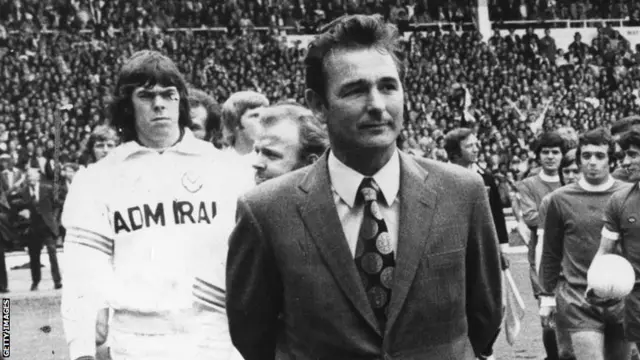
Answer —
349 32
145 68
629 138
213 123
568 159
551 139
624 124
598 136
453 139
313 136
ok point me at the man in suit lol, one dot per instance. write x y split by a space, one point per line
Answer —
462 148
368 253
38 204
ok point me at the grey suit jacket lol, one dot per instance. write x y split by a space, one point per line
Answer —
293 291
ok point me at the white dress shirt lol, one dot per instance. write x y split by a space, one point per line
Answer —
345 183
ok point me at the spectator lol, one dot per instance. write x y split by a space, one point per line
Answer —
102 140
205 117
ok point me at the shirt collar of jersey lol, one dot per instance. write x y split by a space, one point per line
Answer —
597 188
188 145
549 179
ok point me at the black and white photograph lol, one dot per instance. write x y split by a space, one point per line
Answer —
320 179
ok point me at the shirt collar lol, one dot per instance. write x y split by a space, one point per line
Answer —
597 188
549 179
188 144
345 181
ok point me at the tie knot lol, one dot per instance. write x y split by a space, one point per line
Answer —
369 190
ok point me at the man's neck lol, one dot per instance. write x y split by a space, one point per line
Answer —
162 143
597 185
365 161
464 164
550 172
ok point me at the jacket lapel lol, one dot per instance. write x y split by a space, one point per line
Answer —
418 196
319 214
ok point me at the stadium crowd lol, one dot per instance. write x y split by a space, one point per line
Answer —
508 88
505 87
74 14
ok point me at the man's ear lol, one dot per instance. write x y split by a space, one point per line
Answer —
311 158
315 102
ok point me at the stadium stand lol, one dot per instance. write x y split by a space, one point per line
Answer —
55 53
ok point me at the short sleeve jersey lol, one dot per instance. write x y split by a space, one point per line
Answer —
622 223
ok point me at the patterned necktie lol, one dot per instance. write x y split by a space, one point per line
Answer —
374 254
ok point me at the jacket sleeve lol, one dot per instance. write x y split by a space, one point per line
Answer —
88 274
484 275
254 288
553 242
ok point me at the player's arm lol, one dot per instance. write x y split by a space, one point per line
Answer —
553 240
254 288
542 214
611 230
483 273
528 206
88 274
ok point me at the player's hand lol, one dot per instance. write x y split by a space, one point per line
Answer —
25 213
593 299
547 316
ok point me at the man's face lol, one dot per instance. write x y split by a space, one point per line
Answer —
102 147
469 149
550 158
68 173
199 120
594 163
571 173
277 150
364 100
250 123
631 163
157 110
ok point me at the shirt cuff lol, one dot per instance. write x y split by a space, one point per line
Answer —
547 301
504 247
608 234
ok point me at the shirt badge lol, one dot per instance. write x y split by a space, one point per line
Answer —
632 219
192 182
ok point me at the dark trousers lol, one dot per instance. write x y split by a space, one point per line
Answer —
35 249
